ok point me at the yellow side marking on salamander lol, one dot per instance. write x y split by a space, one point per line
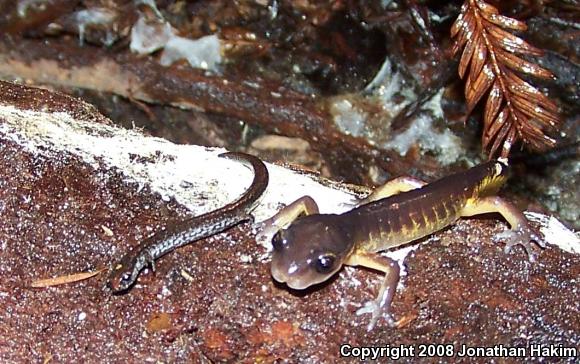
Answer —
437 217
491 183
414 225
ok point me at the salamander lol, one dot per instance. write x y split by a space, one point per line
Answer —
126 271
309 247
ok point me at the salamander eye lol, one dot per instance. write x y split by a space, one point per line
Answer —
278 241
325 263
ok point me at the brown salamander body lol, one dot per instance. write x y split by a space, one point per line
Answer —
309 249
408 216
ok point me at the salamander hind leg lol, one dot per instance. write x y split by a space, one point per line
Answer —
521 233
380 306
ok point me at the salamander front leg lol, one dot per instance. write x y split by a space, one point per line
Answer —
303 206
520 233
393 187
381 306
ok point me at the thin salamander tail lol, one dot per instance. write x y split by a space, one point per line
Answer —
261 177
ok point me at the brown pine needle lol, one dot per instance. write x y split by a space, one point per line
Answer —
71 278
514 110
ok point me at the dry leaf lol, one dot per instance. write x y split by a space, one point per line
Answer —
514 110
57 281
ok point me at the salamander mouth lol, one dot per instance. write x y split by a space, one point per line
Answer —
297 285
280 276
296 282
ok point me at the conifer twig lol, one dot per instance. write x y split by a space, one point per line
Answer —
514 110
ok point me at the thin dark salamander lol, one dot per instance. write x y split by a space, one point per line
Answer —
126 271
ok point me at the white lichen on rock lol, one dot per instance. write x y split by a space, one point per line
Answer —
389 93
96 17
204 52
23 6
350 119
150 35
445 145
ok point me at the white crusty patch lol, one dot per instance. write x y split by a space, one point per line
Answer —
555 232
182 172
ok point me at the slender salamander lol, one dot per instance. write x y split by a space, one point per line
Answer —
310 247
126 271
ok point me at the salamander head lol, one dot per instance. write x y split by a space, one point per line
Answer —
310 250
120 278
